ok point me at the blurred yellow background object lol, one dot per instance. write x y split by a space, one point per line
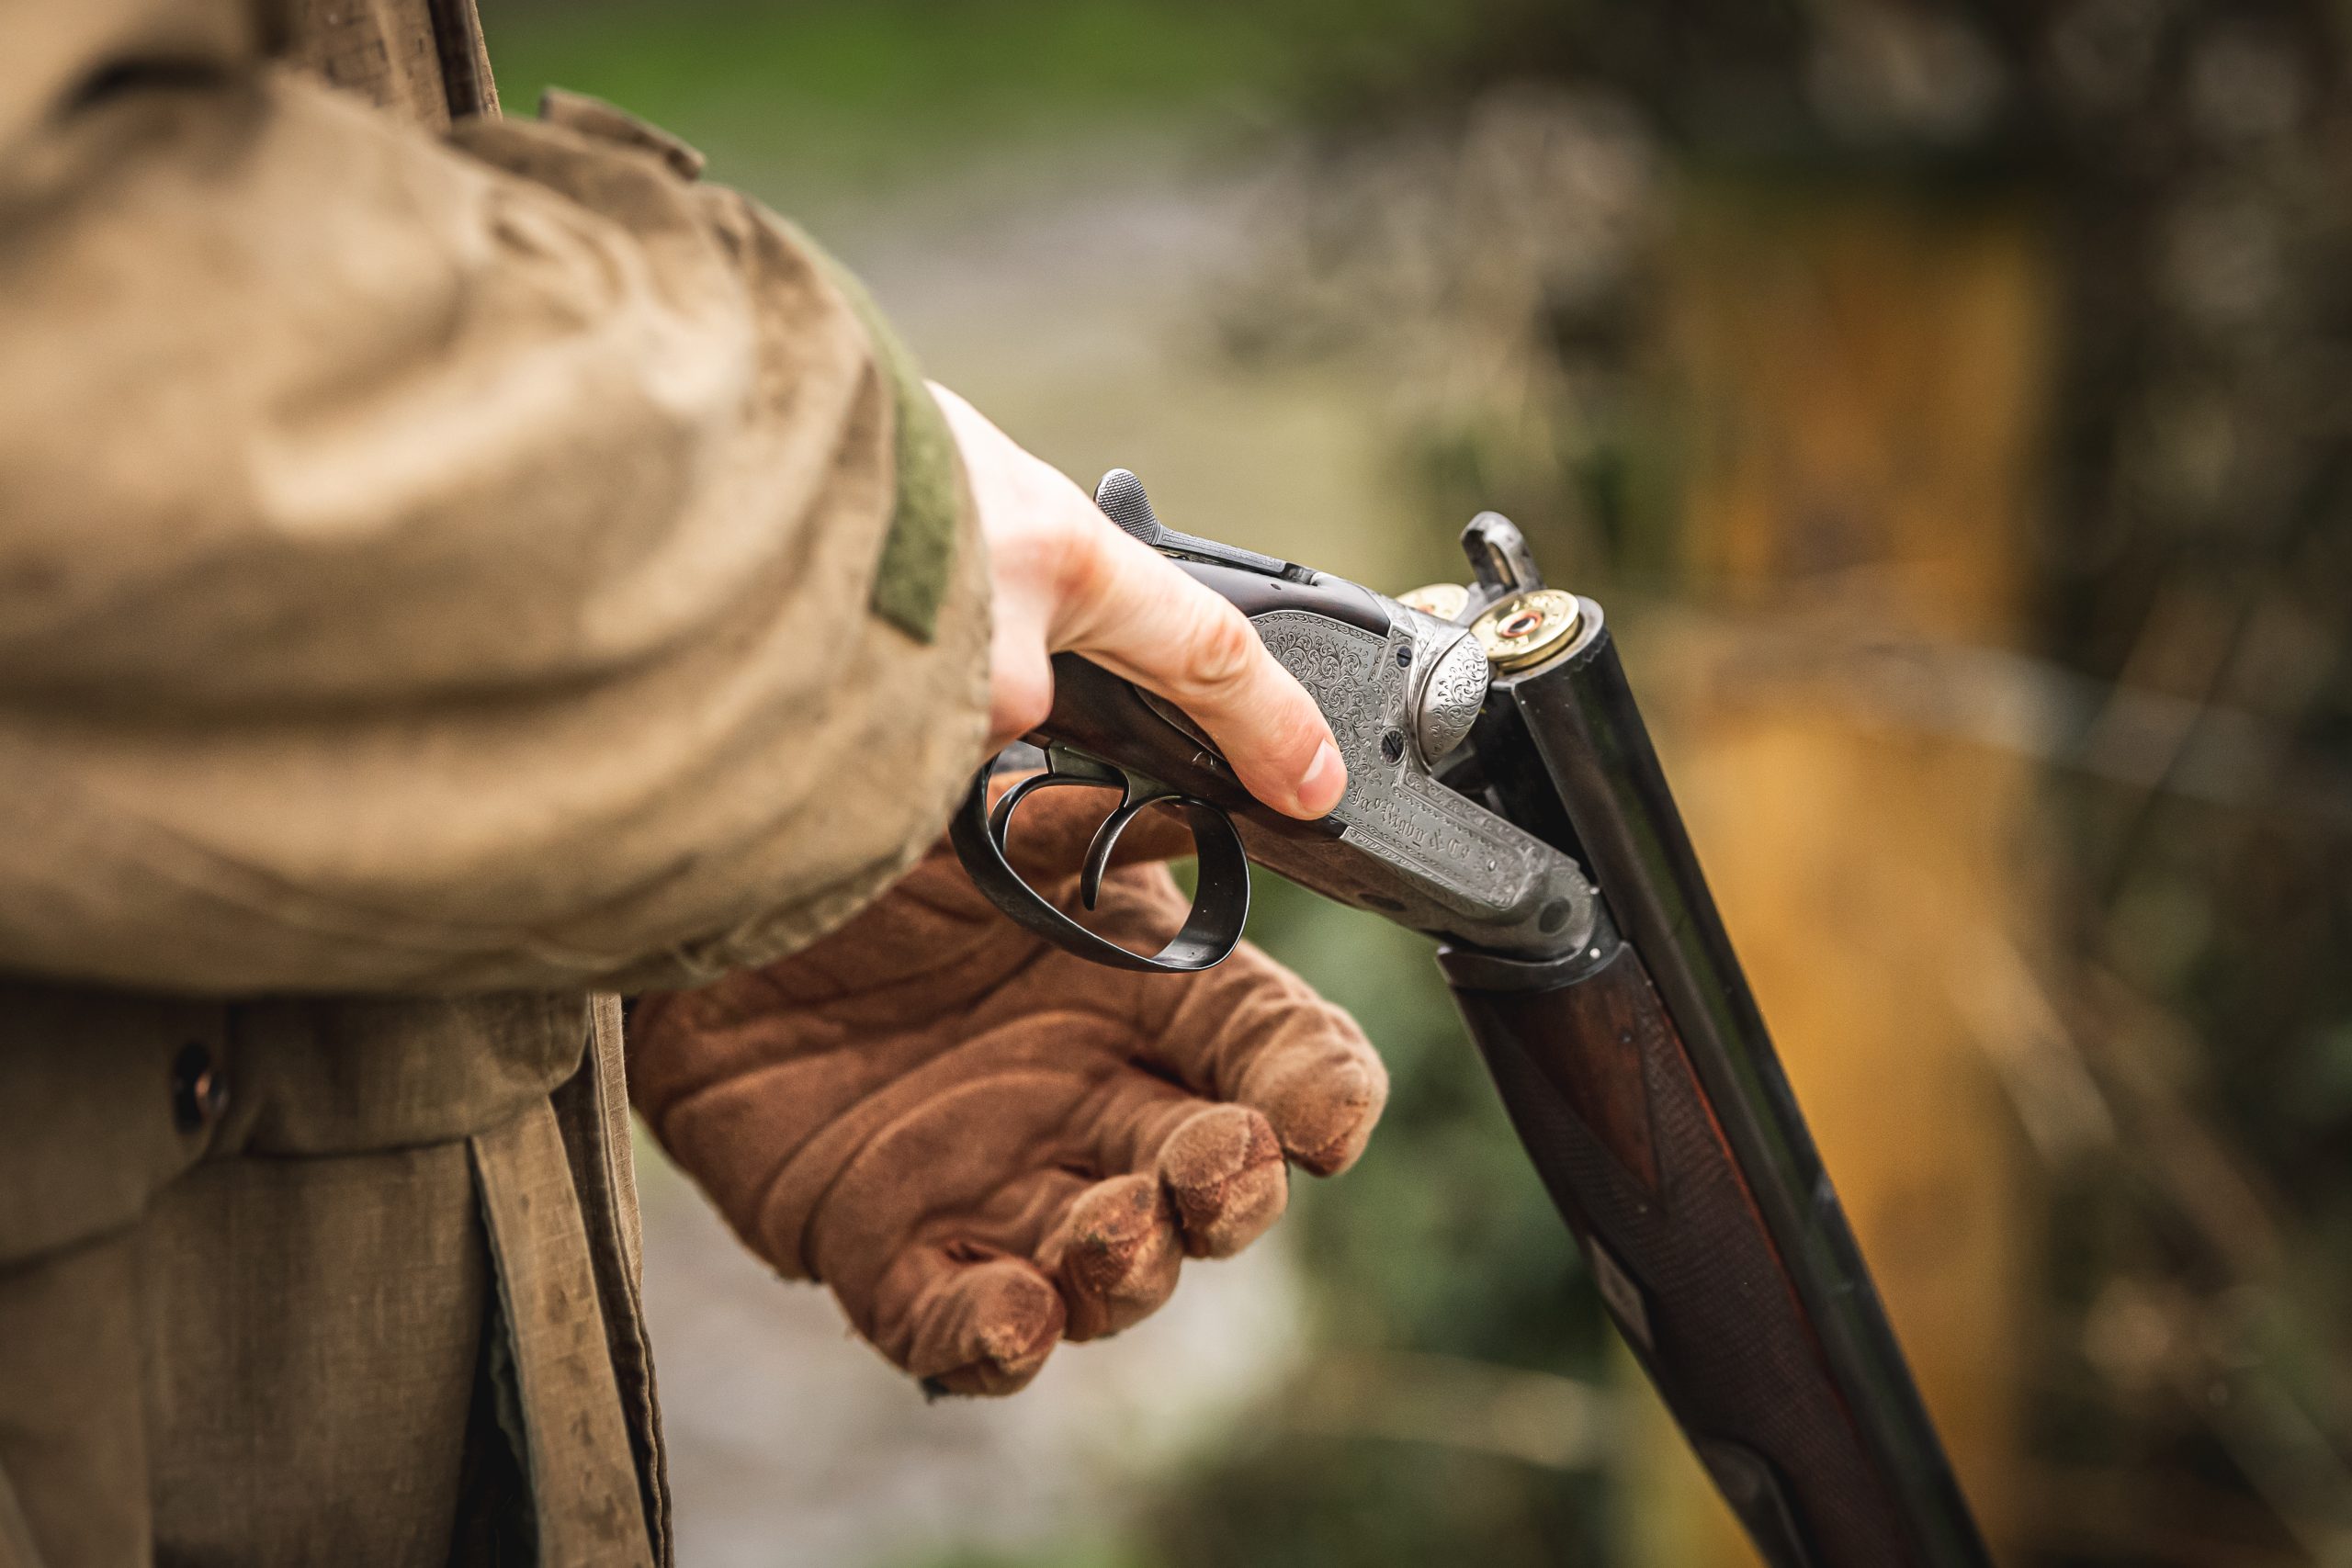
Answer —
1865 379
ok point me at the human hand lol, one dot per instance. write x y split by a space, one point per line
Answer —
984 1144
1064 579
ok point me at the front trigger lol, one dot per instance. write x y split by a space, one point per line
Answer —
1137 794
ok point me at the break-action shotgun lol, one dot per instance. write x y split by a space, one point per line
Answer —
1503 796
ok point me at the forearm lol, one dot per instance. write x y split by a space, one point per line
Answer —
434 570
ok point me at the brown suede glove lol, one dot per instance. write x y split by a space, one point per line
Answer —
984 1144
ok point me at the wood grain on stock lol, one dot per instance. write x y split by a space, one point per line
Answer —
1604 1097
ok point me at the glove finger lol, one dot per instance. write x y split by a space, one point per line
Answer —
1220 1165
966 1320
1115 1255
939 1152
1251 1033
1200 1179
1112 1248
1225 1173
959 1307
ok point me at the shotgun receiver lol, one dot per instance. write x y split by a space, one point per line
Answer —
1503 796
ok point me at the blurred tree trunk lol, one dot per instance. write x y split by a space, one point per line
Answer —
1863 379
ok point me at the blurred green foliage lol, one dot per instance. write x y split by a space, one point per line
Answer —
1330 1503
819 97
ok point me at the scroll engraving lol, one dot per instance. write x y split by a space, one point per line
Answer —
1391 805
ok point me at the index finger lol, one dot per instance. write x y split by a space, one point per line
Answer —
1138 615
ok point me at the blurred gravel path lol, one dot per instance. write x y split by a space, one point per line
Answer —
794 1446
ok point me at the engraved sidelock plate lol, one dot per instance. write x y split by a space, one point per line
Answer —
1483 879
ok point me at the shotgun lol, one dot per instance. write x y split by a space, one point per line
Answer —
1503 797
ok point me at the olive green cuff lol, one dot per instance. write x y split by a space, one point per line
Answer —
918 551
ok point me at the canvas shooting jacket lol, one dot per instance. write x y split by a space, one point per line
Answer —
453 569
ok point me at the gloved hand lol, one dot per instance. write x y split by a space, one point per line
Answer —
984 1144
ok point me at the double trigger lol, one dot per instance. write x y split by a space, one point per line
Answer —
1220 901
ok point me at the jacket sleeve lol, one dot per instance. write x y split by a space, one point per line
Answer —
443 565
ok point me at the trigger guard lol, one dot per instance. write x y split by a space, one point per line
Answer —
1212 926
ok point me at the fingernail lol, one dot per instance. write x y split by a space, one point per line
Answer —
1324 781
